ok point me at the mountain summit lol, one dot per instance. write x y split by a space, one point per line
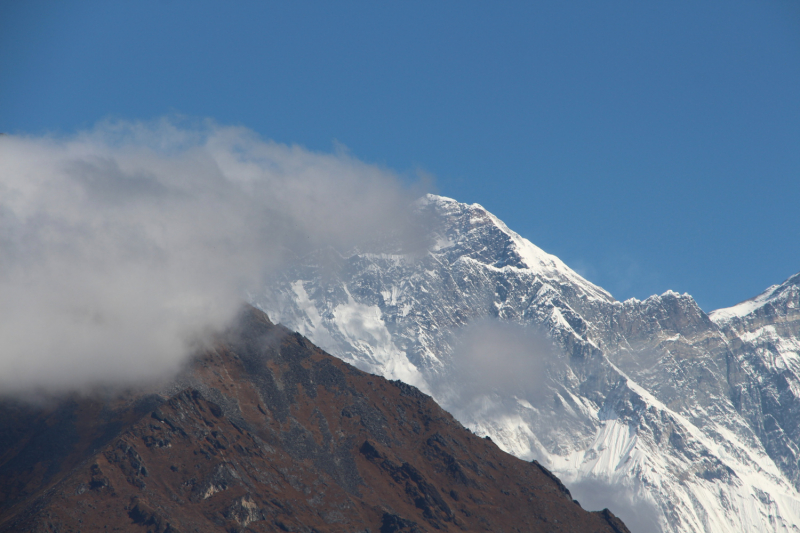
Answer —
682 420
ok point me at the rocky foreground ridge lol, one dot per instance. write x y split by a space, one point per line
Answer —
681 421
265 432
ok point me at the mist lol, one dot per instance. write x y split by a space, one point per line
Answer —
124 247
632 506
493 357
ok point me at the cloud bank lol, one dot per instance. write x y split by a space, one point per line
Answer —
121 247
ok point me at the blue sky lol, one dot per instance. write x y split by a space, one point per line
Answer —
650 146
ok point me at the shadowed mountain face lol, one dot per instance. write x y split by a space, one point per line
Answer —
266 432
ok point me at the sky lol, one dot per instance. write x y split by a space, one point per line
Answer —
651 146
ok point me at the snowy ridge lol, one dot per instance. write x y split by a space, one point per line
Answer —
774 295
740 310
694 420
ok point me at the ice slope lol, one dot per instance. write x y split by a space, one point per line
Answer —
694 417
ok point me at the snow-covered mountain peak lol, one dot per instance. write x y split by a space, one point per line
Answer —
689 418
502 247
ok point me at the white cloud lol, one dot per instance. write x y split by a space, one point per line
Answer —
120 246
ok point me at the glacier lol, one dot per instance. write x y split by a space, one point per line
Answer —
678 420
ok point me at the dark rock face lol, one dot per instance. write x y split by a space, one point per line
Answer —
272 434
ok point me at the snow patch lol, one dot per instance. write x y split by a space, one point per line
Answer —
363 327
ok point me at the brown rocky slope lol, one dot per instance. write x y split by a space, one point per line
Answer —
266 432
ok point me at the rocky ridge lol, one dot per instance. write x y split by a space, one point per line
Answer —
265 432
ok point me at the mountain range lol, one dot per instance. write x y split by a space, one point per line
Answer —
678 419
